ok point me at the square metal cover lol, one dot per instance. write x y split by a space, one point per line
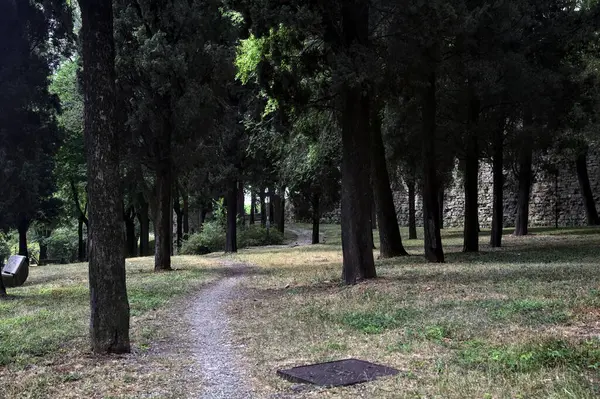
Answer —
337 373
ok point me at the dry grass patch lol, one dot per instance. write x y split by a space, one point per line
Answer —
44 352
494 324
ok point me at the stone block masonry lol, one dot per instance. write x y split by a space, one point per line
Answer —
554 198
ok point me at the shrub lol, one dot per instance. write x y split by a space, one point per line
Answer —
212 238
4 251
62 244
256 235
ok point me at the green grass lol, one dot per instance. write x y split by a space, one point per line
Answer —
46 323
520 321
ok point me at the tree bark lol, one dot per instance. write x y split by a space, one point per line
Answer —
390 240
498 177
22 228
144 220
431 213
252 207
316 216
109 321
271 206
2 287
586 190
240 203
130 238
471 182
357 194
525 177
162 220
441 205
374 215
412 220
231 235
282 210
179 219
186 215
263 208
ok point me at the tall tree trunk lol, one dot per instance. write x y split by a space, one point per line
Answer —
271 206
179 219
186 215
441 205
252 207
525 177
43 246
412 220
263 208
390 240
109 321
431 213
374 215
2 287
231 235
240 203
22 228
144 220
586 189
357 194
316 215
498 177
131 239
80 241
162 221
282 210
471 183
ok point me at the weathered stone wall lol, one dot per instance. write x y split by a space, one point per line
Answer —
553 198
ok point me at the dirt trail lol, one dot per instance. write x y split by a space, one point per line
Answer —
218 360
219 363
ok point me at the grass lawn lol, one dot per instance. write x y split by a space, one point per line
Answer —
44 351
518 322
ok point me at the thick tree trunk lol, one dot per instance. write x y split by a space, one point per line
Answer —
431 213
263 208
22 228
80 241
2 287
471 183
498 177
178 219
412 220
441 205
186 215
586 190
271 209
357 194
316 215
240 203
231 235
109 324
374 215
282 211
252 207
390 240
162 220
525 177
130 238
144 220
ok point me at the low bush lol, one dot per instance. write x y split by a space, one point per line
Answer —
4 251
212 238
63 244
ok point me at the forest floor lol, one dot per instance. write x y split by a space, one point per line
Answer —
520 321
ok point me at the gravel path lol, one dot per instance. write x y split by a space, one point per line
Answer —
219 362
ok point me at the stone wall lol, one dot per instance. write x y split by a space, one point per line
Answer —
552 198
